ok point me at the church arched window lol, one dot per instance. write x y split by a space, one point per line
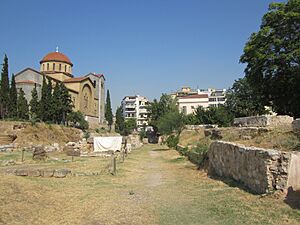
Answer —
59 67
53 66
47 66
65 68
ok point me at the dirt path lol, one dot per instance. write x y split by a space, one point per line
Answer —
153 186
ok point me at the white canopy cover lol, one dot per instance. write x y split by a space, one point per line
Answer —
103 144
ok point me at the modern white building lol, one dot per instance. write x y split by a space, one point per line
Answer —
188 100
136 107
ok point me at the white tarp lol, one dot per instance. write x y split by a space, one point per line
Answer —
102 144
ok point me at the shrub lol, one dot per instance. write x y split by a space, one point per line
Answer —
77 120
86 134
198 155
182 150
172 141
142 134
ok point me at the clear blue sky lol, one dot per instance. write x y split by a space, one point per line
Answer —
145 47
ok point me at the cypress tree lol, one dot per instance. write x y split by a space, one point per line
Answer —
66 102
57 104
50 110
45 110
43 104
120 123
13 97
108 111
22 106
4 89
34 103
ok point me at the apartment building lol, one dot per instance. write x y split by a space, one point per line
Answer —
188 100
136 107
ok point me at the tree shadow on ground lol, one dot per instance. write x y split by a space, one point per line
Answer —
293 198
233 183
160 149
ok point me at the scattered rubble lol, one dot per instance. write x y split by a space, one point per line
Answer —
39 153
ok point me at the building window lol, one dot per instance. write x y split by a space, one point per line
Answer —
47 66
59 67
94 83
65 68
43 67
53 66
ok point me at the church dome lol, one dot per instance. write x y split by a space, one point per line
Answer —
57 57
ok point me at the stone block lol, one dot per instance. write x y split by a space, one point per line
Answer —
33 173
264 121
21 172
296 126
61 173
46 172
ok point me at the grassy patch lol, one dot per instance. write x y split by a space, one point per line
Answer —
151 187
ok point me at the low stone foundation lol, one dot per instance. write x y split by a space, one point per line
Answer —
134 141
296 126
260 170
264 121
57 173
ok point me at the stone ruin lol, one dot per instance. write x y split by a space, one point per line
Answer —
264 121
260 170
39 153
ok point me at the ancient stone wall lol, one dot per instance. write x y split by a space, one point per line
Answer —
260 170
264 121
296 126
199 127
134 141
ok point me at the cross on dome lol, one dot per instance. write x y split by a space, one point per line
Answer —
56 48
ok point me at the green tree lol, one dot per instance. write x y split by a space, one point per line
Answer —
43 106
242 101
119 126
272 56
171 122
4 89
34 103
45 110
157 109
108 111
13 97
214 115
49 115
65 102
129 126
77 120
57 104
22 106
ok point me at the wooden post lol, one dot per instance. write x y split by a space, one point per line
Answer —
123 155
23 150
114 164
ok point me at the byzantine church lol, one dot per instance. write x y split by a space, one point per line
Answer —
87 92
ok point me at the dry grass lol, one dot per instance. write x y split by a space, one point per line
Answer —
152 186
280 139
40 133
188 137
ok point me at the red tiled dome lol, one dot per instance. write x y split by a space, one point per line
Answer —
56 56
